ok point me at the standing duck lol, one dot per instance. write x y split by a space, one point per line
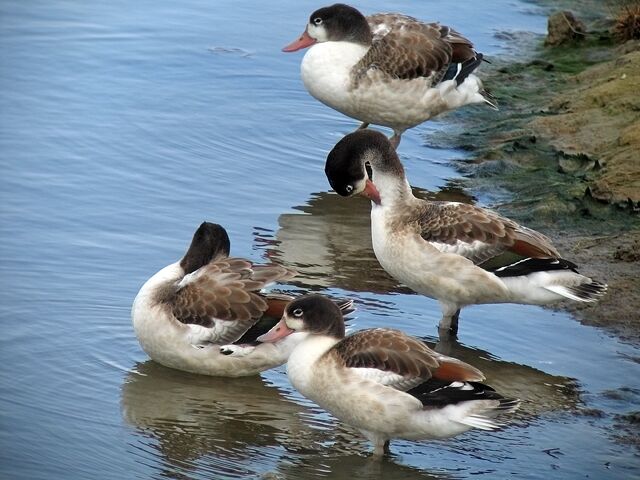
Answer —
457 253
203 313
387 69
381 381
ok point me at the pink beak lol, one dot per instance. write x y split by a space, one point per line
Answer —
371 192
279 330
303 42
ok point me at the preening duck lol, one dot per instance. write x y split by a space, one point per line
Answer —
381 381
203 313
387 69
457 253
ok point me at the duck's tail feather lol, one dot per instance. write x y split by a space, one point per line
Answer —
586 292
485 419
489 98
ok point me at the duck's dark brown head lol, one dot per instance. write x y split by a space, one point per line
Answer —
210 242
336 23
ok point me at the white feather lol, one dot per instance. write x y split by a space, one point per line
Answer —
565 292
390 379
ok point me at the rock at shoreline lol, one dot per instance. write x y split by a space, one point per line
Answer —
563 27
597 121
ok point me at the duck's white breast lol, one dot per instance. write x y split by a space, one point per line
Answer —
302 363
326 73
398 251
393 102
423 268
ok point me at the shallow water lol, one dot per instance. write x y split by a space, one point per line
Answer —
123 126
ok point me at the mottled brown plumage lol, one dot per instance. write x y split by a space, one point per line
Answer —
388 350
405 48
393 351
454 223
225 290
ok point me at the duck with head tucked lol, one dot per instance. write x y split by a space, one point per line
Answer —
454 252
387 69
203 313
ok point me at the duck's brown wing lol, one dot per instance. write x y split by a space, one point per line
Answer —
478 234
225 296
393 358
405 48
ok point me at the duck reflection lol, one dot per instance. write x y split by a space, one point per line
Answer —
330 243
232 420
361 467
539 391
245 426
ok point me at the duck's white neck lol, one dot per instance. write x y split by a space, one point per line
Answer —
336 55
301 364
289 343
393 188
153 287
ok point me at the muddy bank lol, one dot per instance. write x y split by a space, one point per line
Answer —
613 258
563 156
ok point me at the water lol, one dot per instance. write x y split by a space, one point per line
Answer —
126 124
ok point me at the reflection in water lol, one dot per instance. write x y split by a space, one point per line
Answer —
345 466
539 391
246 426
330 245
229 421
240 427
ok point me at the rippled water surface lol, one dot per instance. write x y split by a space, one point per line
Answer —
126 124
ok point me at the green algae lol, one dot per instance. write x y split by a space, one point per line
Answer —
549 169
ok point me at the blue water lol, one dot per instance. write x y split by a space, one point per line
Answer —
126 124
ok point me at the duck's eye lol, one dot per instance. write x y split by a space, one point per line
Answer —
317 21
348 188
297 312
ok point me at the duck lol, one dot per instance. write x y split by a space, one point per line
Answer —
202 314
387 69
456 253
381 381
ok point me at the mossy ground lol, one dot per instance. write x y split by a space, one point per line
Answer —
566 145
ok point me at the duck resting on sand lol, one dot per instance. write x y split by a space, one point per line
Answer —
387 69
203 313
457 253
381 381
